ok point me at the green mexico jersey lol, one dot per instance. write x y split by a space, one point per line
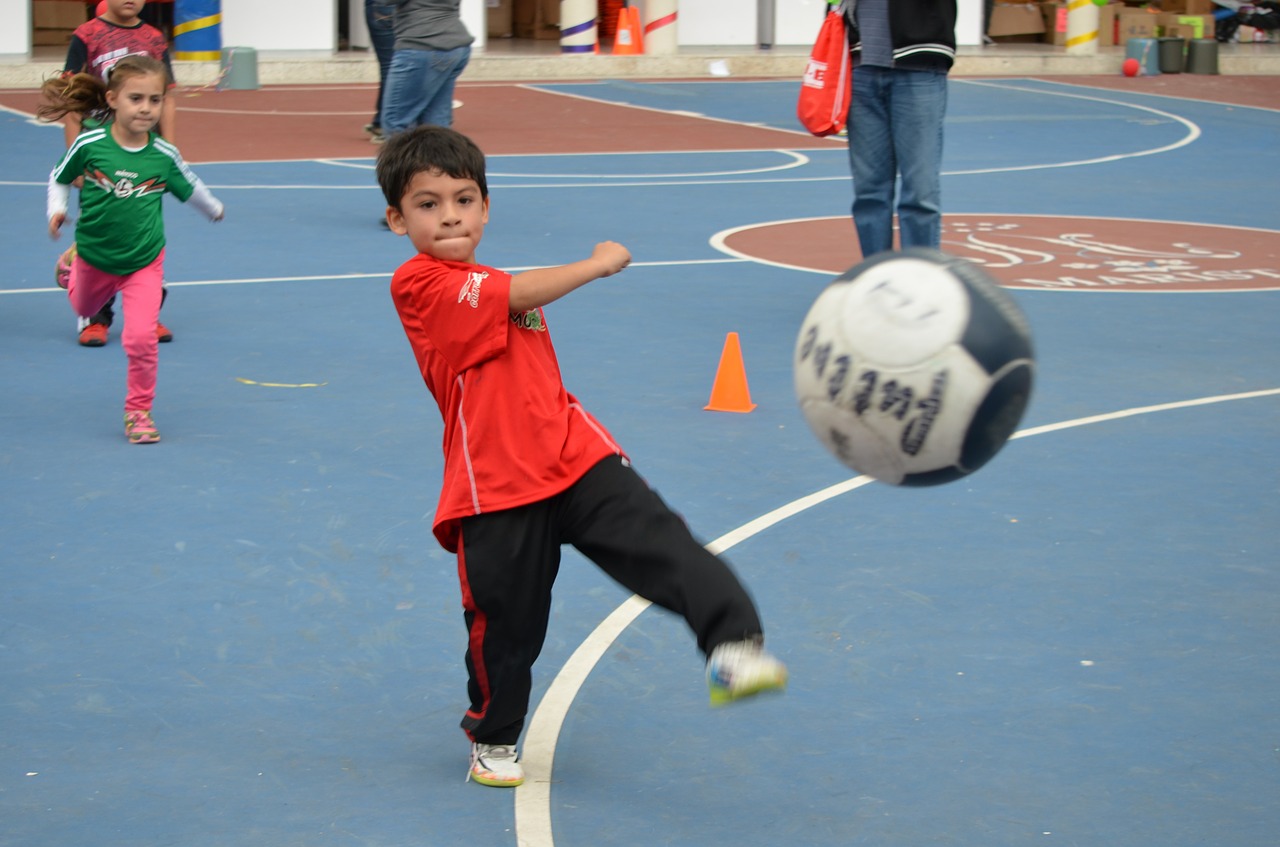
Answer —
121 223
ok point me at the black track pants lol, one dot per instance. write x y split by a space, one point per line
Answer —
508 561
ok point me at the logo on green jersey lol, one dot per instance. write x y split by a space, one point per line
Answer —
123 186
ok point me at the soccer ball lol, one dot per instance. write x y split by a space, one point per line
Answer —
914 367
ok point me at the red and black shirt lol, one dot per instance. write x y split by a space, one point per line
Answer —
97 45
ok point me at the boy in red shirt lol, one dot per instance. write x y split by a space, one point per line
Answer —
527 469
117 31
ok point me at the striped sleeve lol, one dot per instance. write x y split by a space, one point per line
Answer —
72 163
186 185
182 180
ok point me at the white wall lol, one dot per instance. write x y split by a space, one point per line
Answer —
797 21
15 35
702 23
722 22
312 25
280 24
968 23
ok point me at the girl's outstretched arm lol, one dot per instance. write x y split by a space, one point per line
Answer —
202 198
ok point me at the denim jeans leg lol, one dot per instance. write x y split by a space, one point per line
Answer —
871 159
919 106
404 99
382 35
446 67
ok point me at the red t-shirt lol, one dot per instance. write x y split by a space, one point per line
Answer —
512 434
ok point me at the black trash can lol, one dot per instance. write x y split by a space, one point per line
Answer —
1202 56
1170 55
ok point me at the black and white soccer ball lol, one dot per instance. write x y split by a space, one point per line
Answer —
914 367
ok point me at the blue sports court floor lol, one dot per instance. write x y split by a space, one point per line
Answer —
246 634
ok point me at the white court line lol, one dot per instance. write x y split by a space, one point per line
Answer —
533 799
719 240
1193 132
337 277
683 114
1224 104
274 113
653 180
797 160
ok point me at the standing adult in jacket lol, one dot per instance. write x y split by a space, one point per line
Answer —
432 49
902 51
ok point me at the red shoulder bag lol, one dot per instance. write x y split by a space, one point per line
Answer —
828 80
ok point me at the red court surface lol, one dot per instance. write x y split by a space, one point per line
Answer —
325 122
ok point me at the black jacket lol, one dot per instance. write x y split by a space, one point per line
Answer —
923 32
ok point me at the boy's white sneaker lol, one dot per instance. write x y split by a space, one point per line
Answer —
738 669
496 764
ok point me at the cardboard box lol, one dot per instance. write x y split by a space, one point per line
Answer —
1055 22
1181 7
1186 26
58 14
1135 23
1016 22
498 20
536 18
46 37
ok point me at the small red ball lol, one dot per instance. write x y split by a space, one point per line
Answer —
1131 67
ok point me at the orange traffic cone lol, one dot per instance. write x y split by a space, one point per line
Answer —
730 392
629 39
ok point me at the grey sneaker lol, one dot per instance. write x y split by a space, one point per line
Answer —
738 669
495 764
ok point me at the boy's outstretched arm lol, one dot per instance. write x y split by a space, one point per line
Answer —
541 286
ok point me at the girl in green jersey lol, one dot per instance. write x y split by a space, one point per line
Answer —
127 169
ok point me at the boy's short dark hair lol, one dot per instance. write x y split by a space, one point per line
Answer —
436 149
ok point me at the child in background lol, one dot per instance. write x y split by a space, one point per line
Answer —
127 169
116 31
527 469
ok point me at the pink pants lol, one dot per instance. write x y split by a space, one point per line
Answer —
140 293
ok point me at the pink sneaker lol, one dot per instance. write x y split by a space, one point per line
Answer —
139 428
62 268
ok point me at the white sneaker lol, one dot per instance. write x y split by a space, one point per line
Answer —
738 669
496 764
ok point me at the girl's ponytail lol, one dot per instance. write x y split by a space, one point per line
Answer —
85 93
80 93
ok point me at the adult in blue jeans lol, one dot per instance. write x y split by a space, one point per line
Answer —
432 49
902 51
380 18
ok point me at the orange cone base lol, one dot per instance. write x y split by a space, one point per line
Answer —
730 392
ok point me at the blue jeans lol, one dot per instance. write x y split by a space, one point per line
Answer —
380 18
420 88
895 128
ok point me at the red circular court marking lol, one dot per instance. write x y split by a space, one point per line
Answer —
1052 253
